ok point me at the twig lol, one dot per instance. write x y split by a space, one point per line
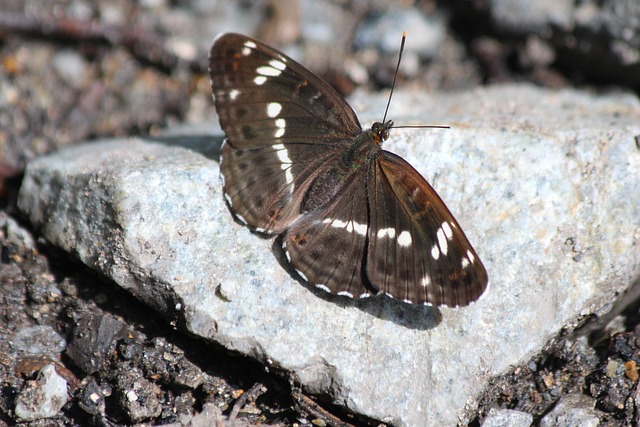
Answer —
310 406
252 392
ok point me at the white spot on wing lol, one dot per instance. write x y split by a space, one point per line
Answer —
241 219
301 274
228 199
350 226
268 71
285 161
246 51
470 256
345 294
465 262
387 232
404 239
281 124
447 230
442 241
260 80
435 252
233 95
250 44
279 65
273 109
324 288
365 295
426 281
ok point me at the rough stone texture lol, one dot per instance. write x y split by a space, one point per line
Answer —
44 398
575 410
542 182
507 418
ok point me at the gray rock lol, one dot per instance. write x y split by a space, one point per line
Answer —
43 398
573 410
507 418
532 15
425 32
93 339
541 181
137 396
38 340
71 67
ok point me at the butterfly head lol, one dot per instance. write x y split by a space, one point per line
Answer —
381 131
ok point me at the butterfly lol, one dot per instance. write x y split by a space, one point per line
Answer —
355 220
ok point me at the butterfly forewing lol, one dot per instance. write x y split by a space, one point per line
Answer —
283 126
264 97
417 251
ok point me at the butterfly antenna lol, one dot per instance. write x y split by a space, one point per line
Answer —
395 75
393 85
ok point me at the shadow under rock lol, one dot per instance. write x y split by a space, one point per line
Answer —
410 316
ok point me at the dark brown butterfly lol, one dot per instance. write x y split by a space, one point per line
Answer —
356 220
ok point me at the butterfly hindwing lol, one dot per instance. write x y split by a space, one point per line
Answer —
327 246
265 187
417 252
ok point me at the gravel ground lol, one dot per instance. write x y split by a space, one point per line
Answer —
63 80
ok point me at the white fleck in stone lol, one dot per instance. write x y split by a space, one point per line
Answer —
442 241
273 109
435 252
404 239
260 80
345 294
387 232
131 396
